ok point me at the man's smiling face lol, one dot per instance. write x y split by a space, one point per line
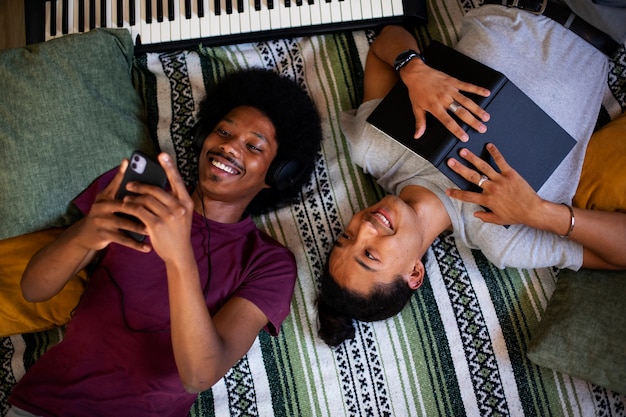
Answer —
236 156
379 244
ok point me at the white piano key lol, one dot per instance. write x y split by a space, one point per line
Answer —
97 13
366 10
314 12
74 17
337 12
155 30
325 11
70 16
284 13
388 8
274 15
179 17
59 19
346 12
294 13
233 20
211 23
377 8
135 30
305 15
254 16
398 8
112 20
108 16
264 16
356 12
189 28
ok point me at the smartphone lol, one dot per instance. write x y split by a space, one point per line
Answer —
143 169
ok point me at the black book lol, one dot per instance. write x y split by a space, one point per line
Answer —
530 140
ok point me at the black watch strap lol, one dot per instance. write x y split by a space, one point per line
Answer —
405 57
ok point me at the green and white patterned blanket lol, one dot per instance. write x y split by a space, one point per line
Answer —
457 349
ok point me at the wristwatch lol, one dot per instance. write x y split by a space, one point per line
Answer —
405 57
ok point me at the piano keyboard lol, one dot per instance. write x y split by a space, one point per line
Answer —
161 25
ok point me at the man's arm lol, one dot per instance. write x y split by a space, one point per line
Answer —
204 347
429 90
54 265
513 201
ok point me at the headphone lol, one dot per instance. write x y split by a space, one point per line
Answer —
281 174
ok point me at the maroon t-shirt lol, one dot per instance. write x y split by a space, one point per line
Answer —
116 357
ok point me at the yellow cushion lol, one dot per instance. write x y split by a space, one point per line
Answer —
19 315
603 179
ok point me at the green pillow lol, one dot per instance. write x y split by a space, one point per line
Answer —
583 330
68 113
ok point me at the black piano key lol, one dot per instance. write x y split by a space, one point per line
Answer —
240 7
229 6
81 15
287 3
218 7
298 2
170 10
131 12
200 8
148 9
311 2
159 10
119 19
53 18
103 14
92 14
257 5
64 17
270 4
187 9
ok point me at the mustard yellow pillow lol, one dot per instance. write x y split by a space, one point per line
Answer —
19 315
603 179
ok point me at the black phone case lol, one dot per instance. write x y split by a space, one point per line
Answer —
152 174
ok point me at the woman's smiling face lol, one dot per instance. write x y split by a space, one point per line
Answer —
236 155
380 243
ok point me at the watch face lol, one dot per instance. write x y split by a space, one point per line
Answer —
403 58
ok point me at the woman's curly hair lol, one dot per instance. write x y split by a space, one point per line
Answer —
292 112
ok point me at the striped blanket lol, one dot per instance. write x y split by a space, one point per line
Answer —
457 349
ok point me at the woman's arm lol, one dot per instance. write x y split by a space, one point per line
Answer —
512 201
429 90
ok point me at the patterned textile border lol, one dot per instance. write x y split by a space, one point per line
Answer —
457 349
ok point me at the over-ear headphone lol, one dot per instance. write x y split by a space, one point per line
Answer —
282 173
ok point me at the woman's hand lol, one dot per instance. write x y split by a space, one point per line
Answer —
435 92
509 197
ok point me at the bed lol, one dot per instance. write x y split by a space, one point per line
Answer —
459 348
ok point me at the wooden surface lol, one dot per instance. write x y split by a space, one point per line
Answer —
12 32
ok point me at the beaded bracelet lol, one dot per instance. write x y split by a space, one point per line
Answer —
572 221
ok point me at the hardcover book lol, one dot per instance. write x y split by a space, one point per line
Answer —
530 140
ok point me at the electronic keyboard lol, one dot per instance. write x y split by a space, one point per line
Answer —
165 25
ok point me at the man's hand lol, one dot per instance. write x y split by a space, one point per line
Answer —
509 197
434 91
166 215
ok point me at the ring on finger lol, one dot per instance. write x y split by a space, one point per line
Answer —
454 106
482 180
